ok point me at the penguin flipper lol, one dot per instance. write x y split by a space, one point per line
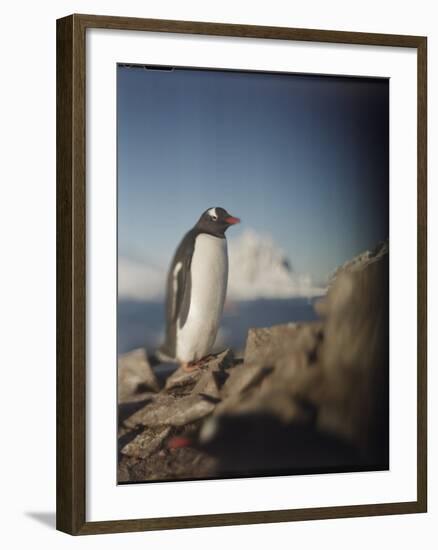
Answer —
186 289
178 292
179 282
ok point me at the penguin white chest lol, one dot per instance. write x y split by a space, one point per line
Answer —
209 276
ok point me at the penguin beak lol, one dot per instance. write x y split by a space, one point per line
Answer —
231 220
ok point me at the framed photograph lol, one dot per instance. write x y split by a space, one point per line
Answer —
241 274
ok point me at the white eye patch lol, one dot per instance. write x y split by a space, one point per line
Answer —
212 213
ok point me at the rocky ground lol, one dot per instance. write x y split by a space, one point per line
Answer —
305 397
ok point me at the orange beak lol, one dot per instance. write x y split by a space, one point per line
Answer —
231 220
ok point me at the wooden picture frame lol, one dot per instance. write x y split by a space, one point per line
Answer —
71 273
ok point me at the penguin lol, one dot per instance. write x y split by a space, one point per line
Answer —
196 289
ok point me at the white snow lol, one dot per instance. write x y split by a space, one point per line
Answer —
140 281
260 269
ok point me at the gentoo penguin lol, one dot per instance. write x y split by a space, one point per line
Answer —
196 289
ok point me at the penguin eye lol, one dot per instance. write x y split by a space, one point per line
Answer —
214 218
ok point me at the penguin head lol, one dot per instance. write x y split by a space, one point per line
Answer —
215 221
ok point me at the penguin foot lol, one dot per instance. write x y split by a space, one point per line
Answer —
208 358
194 365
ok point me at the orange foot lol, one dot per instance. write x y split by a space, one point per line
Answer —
194 365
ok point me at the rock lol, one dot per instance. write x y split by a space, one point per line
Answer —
180 464
168 410
308 395
341 282
222 360
182 381
243 377
303 360
272 401
128 408
363 260
123 474
333 376
351 385
260 443
260 389
288 348
207 387
257 390
265 346
146 443
135 376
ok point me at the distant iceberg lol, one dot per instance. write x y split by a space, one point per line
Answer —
258 268
140 281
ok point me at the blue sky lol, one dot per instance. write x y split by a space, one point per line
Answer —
304 159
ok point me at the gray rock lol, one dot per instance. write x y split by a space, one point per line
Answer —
355 354
222 360
267 386
123 474
303 359
183 382
333 372
325 379
146 443
207 386
168 410
264 346
363 260
135 376
243 377
267 399
287 347
351 384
